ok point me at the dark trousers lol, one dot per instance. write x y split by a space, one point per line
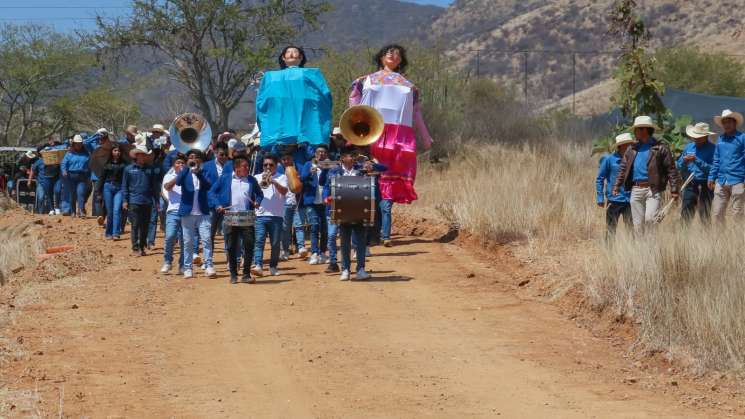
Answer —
616 210
139 217
345 235
215 224
697 195
240 240
97 205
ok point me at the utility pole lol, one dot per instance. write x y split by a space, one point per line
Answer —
478 63
574 83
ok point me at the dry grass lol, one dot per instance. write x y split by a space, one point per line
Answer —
18 248
684 288
502 193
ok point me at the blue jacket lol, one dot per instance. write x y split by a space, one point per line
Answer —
210 169
310 184
138 186
75 162
728 166
610 165
220 193
187 192
702 165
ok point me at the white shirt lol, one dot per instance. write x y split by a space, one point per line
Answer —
350 172
240 193
219 168
195 210
290 198
273 204
174 195
319 189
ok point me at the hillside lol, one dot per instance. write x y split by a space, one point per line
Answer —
495 26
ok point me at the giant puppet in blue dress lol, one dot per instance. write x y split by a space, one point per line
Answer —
293 106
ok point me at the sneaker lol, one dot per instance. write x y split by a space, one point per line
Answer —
109 238
142 252
166 268
314 260
203 267
117 237
387 243
303 253
233 279
247 279
333 268
323 259
188 274
135 253
51 212
100 220
57 211
196 259
344 275
150 246
284 255
274 271
362 275
210 271
257 271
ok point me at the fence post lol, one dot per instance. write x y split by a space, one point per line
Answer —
525 75
574 83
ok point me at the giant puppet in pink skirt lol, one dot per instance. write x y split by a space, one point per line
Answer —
397 100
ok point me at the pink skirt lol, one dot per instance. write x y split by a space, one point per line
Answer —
396 149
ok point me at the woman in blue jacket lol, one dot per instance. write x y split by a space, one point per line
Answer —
76 173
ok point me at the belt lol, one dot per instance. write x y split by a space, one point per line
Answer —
641 184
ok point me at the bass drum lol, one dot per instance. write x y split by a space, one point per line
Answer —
353 200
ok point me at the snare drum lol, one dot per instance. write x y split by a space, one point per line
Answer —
239 218
353 200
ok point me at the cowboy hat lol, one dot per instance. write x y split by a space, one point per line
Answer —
729 114
624 138
77 139
336 131
30 154
700 130
139 149
131 130
644 121
225 136
158 128
141 139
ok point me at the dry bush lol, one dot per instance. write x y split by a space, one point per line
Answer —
504 193
685 287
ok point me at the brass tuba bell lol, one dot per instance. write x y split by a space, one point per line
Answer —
190 131
361 125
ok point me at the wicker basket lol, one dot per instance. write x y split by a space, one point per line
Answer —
53 157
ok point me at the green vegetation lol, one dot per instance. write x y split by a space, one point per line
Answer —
688 68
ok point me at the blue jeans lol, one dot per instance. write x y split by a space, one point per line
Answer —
386 206
191 225
112 198
316 217
293 219
153 227
271 226
44 195
345 232
59 196
173 233
76 187
333 233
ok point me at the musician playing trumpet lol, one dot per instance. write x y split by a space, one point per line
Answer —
194 211
269 215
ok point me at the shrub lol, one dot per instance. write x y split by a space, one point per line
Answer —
688 68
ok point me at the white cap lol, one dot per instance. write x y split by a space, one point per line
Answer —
77 139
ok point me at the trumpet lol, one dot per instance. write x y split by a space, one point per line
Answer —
194 166
265 179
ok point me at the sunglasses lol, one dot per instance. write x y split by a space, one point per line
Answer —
268 164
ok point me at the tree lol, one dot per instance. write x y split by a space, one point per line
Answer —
688 68
37 66
639 92
216 49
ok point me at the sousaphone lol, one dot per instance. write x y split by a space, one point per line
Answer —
361 125
190 131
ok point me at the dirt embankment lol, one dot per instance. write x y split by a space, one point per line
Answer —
446 328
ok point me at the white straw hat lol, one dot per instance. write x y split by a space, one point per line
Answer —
699 130
77 139
729 114
644 121
139 148
624 138
158 128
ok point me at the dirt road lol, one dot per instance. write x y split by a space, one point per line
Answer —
435 334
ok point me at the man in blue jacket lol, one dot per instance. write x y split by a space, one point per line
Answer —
76 173
727 172
194 211
696 159
617 205
311 203
213 169
138 190
237 191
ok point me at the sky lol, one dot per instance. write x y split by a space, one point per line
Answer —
71 15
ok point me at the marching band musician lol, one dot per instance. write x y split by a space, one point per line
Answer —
173 218
346 230
194 211
293 218
311 203
269 215
237 191
213 170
